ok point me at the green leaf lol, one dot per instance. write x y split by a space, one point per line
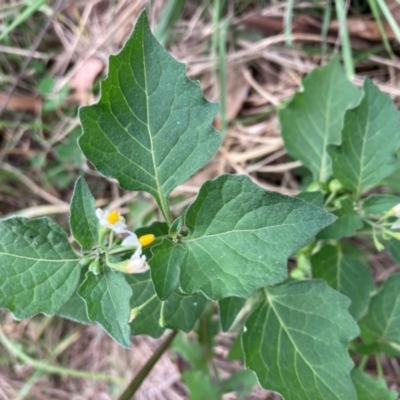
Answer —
156 228
176 227
39 271
381 325
201 386
180 311
147 321
240 382
190 350
83 220
314 118
347 223
164 266
370 138
346 275
393 246
316 198
229 308
371 388
107 297
378 204
240 237
75 308
296 342
151 129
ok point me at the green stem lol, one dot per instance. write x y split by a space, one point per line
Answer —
142 374
379 365
143 305
363 362
14 350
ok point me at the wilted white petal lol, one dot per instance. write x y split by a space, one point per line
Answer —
137 263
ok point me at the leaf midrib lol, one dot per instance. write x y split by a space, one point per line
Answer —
39 259
163 203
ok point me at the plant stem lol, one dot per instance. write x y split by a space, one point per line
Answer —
363 362
142 374
379 365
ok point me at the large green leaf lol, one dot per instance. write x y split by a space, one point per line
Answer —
370 138
314 118
381 325
179 311
296 342
345 274
371 388
240 237
83 220
151 129
107 297
39 271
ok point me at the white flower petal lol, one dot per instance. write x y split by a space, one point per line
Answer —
131 240
117 227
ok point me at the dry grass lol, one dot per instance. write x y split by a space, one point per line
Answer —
71 41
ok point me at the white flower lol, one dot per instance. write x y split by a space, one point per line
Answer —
395 211
112 220
137 263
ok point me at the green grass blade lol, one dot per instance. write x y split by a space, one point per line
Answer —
288 22
344 35
389 18
34 6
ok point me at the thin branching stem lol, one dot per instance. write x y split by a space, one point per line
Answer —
142 374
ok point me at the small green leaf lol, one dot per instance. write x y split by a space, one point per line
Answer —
180 312
175 227
314 118
240 237
229 308
240 382
370 138
165 267
296 342
39 271
347 223
201 386
371 388
378 204
146 322
151 129
83 220
190 350
381 325
346 275
107 297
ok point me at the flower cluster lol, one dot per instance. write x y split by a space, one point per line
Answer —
115 222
